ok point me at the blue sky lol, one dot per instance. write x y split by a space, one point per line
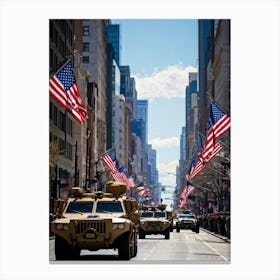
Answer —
161 53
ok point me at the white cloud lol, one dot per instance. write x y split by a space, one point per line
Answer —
165 168
165 142
167 83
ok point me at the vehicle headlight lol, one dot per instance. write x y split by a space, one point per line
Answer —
142 222
62 226
118 225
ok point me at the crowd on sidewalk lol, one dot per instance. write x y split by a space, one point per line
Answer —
218 223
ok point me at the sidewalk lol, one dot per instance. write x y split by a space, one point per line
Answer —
217 235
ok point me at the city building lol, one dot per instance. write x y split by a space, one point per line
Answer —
114 37
214 84
94 60
62 125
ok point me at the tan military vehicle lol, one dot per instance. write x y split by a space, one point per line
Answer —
187 220
155 220
97 220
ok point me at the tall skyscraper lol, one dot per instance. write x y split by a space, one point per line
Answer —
190 105
114 37
142 116
205 52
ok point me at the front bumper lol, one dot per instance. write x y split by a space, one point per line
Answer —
186 225
91 234
154 227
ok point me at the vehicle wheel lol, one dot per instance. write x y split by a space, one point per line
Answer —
177 228
135 244
167 234
141 234
135 249
124 248
197 229
63 251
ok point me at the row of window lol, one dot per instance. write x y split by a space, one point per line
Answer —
58 39
58 119
68 150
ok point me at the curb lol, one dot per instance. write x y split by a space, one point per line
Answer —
217 235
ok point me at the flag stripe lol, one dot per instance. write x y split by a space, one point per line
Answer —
109 163
221 121
222 127
141 191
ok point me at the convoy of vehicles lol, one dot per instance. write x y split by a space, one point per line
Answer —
96 220
155 220
110 220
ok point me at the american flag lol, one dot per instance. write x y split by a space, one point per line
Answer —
221 121
183 197
190 189
217 149
109 160
209 143
196 167
63 88
124 176
142 191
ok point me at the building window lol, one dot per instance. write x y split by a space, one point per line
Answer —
69 151
69 127
61 144
85 31
85 47
55 115
61 121
85 59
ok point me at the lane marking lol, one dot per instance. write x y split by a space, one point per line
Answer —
224 258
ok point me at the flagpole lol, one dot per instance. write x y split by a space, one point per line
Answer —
68 59
104 154
199 187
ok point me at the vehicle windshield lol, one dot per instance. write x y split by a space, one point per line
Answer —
159 215
147 214
186 217
111 207
79 207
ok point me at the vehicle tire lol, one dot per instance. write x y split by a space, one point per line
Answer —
63 251
135 240
197 229
177 228
124 248
141 234
167 234
135 249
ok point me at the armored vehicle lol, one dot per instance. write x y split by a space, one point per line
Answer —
97 220
154 220
187 220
